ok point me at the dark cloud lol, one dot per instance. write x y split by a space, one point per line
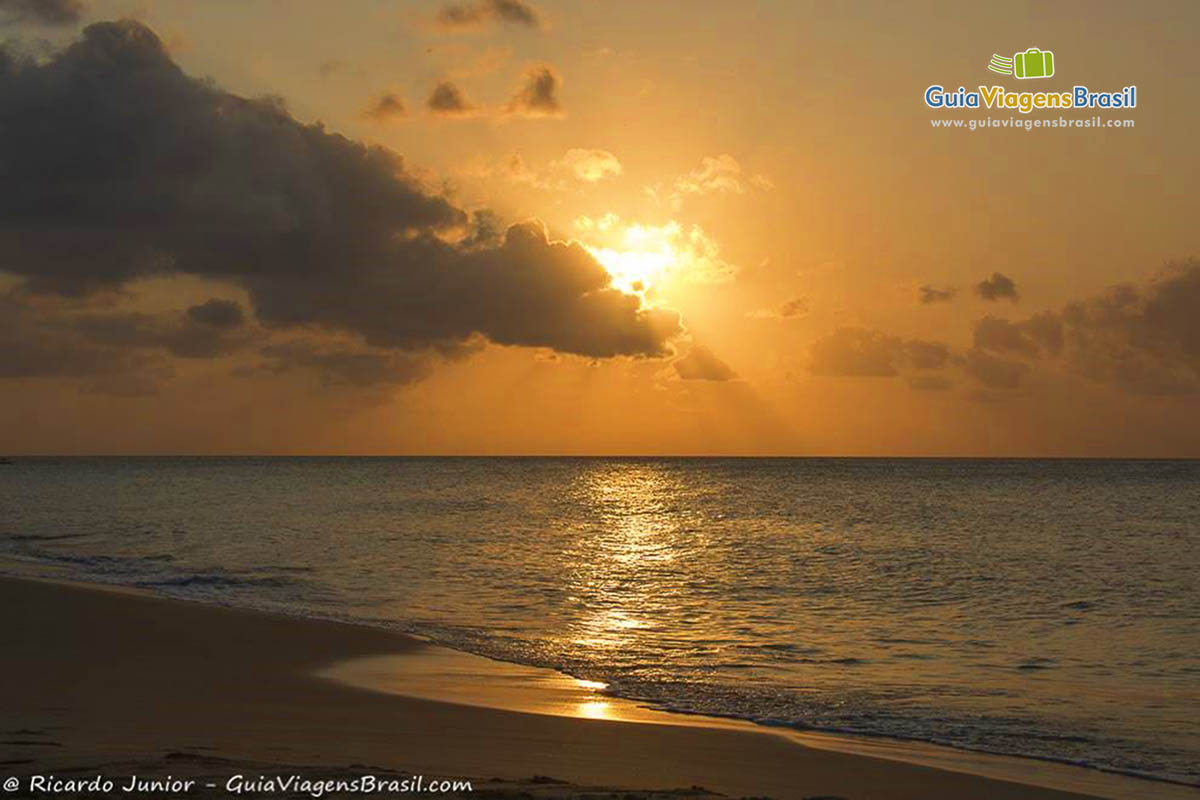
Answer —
997 287
994 372
701 365
926 355
118 166
48 343
1142 339
218 313
931 294
341 365
386 107
537 96
509 12
858 352
45 12
181 335
447 99
1002 336
1145 340
1040 334
868 353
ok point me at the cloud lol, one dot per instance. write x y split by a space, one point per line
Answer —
118 166
385 108
997 287
716 174
855 352
448 100
341 365
921 354
868 353
117 352
994 372
577 166
218 313
1002 336
42 343
930 294
795 308
590 165
537 95
701 365
1142 339
721 174
44 12
508 12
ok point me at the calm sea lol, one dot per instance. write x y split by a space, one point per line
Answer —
1043 608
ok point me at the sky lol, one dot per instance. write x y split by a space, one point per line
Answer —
551 227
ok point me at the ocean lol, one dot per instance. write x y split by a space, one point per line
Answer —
1045 608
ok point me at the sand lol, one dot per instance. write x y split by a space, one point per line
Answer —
97 681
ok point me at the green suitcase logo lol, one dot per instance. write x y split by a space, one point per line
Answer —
1033 63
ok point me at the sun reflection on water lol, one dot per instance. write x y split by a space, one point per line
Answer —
627 554
595 709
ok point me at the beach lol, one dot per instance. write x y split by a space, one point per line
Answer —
102 681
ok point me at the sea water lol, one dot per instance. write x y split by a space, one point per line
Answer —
1046 608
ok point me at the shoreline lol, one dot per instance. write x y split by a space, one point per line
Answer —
537 695
211 682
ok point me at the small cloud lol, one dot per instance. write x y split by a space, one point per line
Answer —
795 308
42 12
448 100
720 174
998 287
760 181
701 365
604 223
927 294
217 313
385 108
590 165
537 95
506 12
716 174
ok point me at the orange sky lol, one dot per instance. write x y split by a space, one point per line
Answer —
799 263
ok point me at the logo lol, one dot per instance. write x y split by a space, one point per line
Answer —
1033 63
1026 65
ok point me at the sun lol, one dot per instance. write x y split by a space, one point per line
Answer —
652 261
632 271
643 260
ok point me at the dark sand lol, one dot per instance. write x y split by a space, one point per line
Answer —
115 682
